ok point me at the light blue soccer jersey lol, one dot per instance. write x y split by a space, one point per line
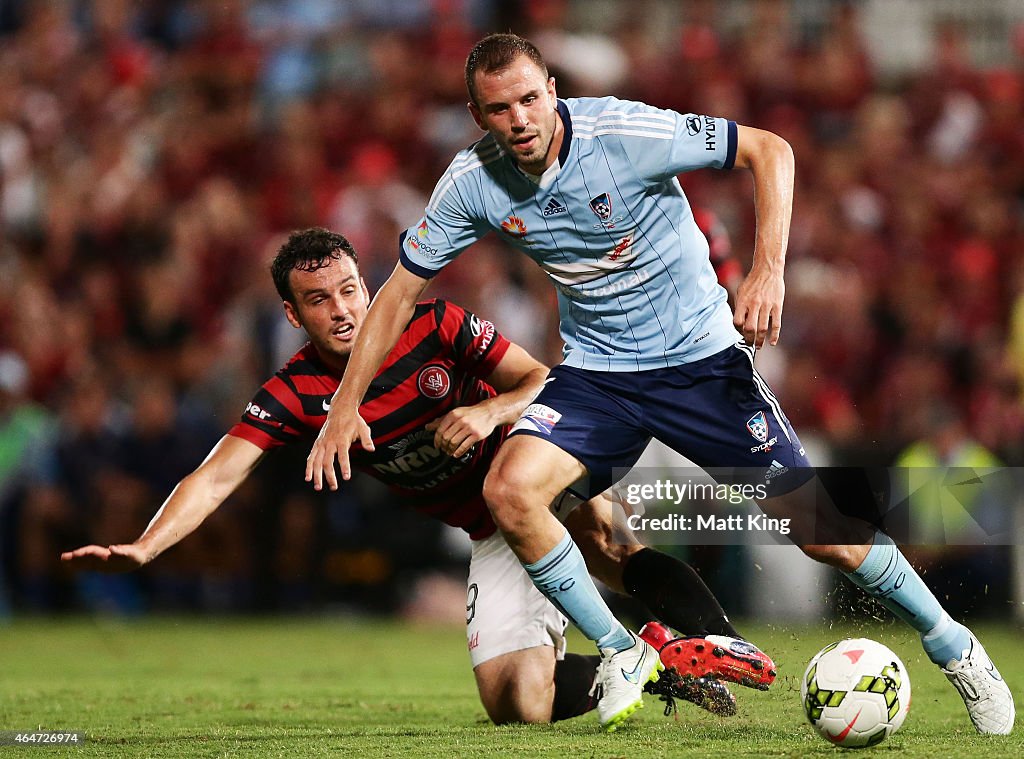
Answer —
614 231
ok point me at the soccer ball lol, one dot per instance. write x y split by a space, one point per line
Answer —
856 693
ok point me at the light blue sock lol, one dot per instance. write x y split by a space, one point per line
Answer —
886 574
562 576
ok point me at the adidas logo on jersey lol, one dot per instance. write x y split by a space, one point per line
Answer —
553 208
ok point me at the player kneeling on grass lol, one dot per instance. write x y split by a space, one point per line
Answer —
439 409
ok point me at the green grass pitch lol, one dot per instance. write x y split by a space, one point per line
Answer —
300 687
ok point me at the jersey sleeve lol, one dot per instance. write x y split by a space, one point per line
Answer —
661 143
449 224
475 344
267 421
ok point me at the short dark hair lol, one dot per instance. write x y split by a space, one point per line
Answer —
499 51
308 250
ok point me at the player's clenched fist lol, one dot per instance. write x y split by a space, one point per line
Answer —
758 313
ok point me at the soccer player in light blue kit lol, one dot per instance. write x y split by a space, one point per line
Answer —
586 188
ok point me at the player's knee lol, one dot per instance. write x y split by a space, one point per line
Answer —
510 709
517 698
510 497
843 557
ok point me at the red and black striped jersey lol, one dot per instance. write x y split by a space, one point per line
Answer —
719 245
439 363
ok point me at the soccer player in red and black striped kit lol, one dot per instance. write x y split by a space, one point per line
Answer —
439 408
727 267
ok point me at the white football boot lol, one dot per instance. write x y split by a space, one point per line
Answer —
988 699
620 681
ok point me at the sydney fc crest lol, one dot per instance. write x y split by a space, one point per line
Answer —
758 427
602 206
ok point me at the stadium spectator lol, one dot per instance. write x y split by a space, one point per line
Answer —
951 531
26 438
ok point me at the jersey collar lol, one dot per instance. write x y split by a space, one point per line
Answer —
563 150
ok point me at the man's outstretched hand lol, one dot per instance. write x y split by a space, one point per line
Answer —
117 558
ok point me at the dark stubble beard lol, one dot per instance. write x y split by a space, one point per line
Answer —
544 153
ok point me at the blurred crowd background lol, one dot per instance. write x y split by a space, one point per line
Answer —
154 154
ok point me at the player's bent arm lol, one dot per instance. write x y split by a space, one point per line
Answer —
389 313
196 497
518 378
770 160
759 298
199 494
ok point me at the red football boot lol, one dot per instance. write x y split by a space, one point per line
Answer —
726 658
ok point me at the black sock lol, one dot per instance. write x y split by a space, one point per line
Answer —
574 675
675 593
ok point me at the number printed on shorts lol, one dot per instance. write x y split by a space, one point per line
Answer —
471 596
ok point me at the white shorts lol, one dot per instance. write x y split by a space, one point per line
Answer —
504 610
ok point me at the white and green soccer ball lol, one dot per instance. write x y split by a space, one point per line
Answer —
856 693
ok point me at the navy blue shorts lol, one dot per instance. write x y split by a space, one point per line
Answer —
717 412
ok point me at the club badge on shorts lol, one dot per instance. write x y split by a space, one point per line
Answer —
757 425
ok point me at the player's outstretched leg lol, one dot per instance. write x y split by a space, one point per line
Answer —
523 480
675 593
886 574
679 598
718 656
627 662
712 646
